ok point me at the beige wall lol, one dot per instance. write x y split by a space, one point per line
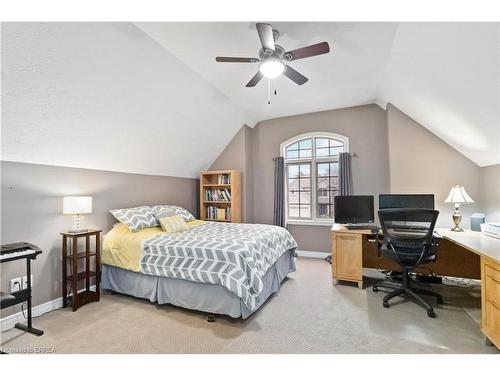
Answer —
237 155
420 162
490 192
366 129
32 211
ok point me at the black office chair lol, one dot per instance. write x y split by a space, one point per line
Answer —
409 245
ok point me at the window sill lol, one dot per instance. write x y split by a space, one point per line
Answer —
318 223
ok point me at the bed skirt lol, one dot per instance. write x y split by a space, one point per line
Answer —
208 298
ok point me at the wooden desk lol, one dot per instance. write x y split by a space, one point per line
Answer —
465 254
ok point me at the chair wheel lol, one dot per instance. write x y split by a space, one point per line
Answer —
375 289
431 314
385 304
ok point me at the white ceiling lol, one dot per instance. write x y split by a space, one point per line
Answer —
150 98
444 75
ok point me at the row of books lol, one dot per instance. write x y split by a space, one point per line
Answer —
217 213
224 179
218 195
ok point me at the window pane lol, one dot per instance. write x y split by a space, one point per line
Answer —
305 144
322 152
324 211
335 151
292 154
334 183
334 169
305 170
335 143
293 210
293 146
305 211
305 185
305 153
323 169
322 142
293 171
327 188
299 190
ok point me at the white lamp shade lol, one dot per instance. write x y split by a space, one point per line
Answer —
77 205
458 195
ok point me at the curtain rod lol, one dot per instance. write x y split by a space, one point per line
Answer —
353 154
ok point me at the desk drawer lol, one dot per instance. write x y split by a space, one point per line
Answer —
492 285
492 326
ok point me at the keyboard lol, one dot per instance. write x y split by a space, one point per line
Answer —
18 250
361 226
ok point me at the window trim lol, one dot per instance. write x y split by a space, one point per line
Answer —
314 220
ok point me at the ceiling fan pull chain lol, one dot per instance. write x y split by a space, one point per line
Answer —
268 91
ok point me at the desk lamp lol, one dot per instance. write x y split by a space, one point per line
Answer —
76 206
458 196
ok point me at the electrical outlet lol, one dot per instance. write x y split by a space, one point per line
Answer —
25 282
15 284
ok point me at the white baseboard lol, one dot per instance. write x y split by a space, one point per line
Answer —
312 254
10 321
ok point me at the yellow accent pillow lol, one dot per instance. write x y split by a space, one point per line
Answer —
173 224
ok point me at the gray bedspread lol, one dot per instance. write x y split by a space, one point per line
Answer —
235 256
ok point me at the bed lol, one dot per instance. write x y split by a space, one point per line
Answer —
217 268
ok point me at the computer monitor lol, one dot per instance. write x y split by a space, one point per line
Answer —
406 201
354 209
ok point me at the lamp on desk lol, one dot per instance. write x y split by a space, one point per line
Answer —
458 196
76 206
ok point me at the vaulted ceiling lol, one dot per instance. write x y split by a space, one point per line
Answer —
444 75
150 98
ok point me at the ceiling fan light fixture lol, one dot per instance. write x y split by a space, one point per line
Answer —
272 68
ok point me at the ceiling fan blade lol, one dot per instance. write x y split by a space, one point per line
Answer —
312 50
295 76
266 35
236 59
255 79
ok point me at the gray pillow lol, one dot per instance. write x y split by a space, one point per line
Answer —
164 212
136 218
186 215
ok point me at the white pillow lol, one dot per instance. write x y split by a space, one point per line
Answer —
136 218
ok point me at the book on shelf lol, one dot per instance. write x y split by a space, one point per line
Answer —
217 213
224 179
218 195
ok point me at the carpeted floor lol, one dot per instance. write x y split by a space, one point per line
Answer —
309 315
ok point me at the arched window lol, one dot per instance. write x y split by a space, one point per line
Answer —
312 175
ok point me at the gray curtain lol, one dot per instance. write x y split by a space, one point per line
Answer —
345 174
279 192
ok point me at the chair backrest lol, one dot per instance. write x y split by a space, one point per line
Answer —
408 234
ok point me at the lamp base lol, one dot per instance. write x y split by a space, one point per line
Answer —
457 218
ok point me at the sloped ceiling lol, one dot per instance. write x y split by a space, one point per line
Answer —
150 98
106 96
444 75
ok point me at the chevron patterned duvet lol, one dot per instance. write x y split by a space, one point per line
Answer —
235 256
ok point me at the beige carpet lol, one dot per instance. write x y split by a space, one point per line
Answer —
309 315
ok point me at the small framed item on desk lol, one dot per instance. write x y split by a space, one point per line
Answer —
72 258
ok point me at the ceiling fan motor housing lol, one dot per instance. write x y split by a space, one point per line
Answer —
278 52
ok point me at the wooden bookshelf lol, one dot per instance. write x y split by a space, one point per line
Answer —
225 190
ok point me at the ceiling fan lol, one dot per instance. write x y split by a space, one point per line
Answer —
273 57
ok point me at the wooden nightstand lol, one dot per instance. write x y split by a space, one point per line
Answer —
72 258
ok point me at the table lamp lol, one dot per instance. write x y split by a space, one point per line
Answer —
458 196
76 206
